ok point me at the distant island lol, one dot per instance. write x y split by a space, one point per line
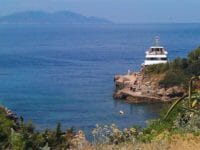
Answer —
65 17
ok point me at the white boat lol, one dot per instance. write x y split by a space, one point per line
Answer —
156 54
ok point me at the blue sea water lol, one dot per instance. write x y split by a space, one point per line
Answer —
62 73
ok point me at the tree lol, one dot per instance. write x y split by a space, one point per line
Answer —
194 56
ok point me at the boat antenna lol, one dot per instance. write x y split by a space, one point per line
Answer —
157 41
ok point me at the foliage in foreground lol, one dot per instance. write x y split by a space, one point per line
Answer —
17 135
181 120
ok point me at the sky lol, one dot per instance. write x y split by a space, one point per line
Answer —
118 11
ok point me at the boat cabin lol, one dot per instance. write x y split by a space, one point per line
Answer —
156 54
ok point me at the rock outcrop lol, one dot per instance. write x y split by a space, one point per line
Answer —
138 87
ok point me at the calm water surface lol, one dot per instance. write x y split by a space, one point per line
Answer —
62 73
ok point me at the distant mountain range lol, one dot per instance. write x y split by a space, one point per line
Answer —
57 17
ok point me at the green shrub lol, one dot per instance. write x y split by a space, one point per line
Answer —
178 71
194 56
157 68
16 140
194 69
22 136
172 78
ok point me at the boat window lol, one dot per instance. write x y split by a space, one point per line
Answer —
153 58
154 51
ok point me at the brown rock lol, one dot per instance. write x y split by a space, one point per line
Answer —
175 92
161 92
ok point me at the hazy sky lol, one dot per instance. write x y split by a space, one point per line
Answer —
122 11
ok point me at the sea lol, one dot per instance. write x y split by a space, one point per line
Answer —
52 73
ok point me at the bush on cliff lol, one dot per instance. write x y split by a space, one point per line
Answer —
194 56
193 69
172 78
178 71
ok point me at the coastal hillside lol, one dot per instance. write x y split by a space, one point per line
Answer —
160 82
177 72
56 17
177 128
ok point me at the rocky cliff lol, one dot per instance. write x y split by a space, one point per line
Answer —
138 87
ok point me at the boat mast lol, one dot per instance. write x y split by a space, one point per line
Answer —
157 41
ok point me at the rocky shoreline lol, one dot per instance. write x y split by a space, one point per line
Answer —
138 87
9 113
